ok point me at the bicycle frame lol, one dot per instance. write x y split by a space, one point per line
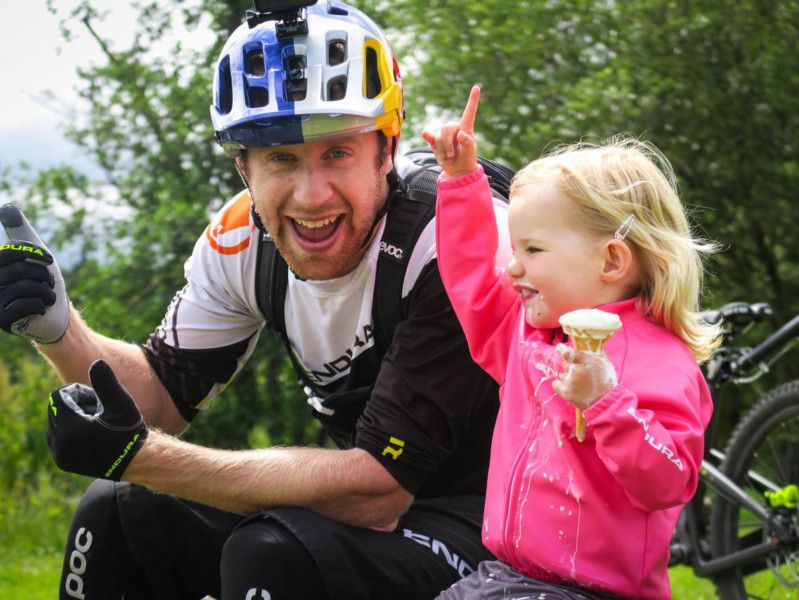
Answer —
687 543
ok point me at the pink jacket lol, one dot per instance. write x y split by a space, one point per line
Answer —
599 513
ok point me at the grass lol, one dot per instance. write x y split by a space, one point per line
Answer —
30 577
33 531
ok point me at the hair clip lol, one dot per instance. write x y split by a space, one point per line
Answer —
624 228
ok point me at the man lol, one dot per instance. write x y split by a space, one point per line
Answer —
308 102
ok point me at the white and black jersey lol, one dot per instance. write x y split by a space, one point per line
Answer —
423 408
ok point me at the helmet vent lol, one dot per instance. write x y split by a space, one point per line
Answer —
373 86
337 88
225 91
336 52
295 84
257 96
295 89
294 64
254 63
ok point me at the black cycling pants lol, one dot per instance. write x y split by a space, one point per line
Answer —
126 542
98 562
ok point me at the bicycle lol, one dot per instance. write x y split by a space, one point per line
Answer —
754 519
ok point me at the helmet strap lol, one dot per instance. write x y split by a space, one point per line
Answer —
394 184
255 217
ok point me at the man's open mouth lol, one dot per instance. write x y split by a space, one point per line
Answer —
315 231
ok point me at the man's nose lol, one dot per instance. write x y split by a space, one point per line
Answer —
311 186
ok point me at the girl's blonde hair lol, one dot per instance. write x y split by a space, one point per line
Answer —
624 177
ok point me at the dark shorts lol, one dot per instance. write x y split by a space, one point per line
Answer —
437 542
495 580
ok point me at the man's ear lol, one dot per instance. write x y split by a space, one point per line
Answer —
240 162
388 160
619 262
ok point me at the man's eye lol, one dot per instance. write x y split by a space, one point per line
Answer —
337 153
280 157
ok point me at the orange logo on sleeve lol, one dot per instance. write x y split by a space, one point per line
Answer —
230 234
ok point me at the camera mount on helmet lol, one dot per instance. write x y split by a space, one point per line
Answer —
287 14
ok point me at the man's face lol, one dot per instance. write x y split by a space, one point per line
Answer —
319 200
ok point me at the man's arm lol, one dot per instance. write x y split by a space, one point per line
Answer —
72 355
346 485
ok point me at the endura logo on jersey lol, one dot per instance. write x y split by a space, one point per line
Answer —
230 234
338 366
658 446
392 251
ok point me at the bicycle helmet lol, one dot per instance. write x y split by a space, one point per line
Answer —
276 83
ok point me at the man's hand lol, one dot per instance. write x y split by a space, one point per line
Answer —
454 144
33 301
94 432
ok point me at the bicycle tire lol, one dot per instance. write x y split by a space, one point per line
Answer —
765 442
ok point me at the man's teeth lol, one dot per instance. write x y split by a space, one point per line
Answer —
316 224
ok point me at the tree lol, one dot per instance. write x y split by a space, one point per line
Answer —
148 128
714 84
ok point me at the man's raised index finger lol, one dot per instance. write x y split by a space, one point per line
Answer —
17 226
470 112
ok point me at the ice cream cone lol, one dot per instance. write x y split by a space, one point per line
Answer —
589 330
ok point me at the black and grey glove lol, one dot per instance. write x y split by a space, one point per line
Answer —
33 300
94 432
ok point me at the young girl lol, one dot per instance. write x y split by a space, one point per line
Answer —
590 227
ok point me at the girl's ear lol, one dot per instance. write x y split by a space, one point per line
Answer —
619 262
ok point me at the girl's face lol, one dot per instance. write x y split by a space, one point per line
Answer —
557 261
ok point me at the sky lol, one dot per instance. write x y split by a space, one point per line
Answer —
37 71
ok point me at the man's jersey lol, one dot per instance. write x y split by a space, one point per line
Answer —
428 414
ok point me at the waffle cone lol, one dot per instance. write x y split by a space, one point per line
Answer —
594 345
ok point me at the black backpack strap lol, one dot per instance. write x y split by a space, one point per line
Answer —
411 208
499 176
271 281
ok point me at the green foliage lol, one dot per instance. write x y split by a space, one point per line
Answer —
148 128
714 84
35 497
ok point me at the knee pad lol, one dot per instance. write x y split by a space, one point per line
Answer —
263 560
97 561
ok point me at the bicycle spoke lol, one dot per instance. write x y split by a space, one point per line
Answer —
761 457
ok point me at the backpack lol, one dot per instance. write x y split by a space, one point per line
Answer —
412 206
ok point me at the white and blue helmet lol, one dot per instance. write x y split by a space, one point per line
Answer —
279 83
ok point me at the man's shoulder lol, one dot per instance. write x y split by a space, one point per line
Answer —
226 254
232 229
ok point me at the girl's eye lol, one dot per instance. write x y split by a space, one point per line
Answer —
532 250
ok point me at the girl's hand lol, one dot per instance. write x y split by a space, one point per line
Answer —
585 378
454 144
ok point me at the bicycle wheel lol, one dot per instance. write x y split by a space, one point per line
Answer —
762 455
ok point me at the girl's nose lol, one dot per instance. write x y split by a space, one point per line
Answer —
514 268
